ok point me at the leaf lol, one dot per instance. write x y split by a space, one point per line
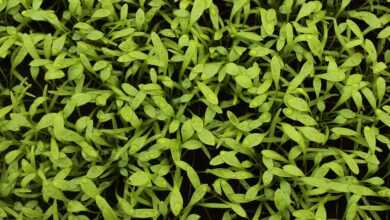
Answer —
191 173
293 170
367 17
286 7
308 8
313 134
208 93
88 187
276 67
76 206
253 139
303 214
95 171
229 158
206 137
380 88
351 163
105 208
5 110
250 36
306 70
352 207
199 194
273 155
321 212
5 46
198 9
29 45
336 76
296 103
58 45
383 117
139 178
238 210
210 70
237 5
160 49
187 130
101 13
129 115
229 174
258 101
355 29
344 131
259 51
145 213
139 18
353 60
268 20
54 74
369 47
175 201
12 156
385 33
244 81
293 134
281 199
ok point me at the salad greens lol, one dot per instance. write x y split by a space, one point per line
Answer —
194 109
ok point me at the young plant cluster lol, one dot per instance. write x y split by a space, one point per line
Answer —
194 109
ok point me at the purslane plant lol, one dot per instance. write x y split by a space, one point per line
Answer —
194 109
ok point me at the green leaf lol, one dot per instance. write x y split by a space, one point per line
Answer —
198 9
308 8
306 70
76 206
199 194
367 17
145 213
268 20
238 210
296 103
191 173
139 178
321 212
258 101
176 201
281 199
238 5
29 45
88 187
58 45
276 67
244 81
292 133
273 155
293 170
206 137
129 115
5 110
385 33
344 131
208 93
105 208
253 139
160 49
259 51
383 117
101 13
313 134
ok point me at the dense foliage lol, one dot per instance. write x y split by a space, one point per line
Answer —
194 109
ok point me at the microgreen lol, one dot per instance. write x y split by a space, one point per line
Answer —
194 109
